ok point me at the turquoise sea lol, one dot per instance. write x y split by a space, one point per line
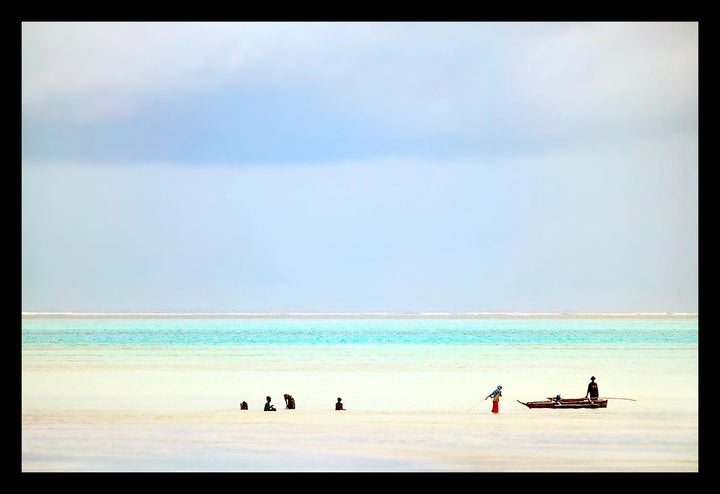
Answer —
85 376
282 330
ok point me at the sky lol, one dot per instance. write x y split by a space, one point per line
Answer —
359 167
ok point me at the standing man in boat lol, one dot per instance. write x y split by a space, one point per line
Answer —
495 395
592 391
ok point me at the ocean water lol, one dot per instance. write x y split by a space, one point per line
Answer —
113 392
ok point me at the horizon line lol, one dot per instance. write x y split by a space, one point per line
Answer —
359 313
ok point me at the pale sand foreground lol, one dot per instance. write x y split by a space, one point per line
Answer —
618 439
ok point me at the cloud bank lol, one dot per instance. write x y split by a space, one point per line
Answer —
360 166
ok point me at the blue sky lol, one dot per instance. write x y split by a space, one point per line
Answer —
336 167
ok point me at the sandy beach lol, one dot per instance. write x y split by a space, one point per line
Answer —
411 406
515 440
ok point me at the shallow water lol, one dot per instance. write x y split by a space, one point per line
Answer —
161 393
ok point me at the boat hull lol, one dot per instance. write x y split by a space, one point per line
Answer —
566 403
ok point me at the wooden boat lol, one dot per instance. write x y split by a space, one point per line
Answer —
566 403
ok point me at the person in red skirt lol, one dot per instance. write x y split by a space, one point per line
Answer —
495 395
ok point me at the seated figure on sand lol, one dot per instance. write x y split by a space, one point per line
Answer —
269 407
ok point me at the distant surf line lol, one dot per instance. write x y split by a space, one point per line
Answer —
453 315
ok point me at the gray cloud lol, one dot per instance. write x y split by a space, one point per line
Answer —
463 78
